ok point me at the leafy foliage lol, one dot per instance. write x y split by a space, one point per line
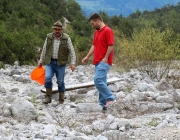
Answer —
24 25
168 16
150 50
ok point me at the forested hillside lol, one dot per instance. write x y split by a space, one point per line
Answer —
124 7
24 25
169 15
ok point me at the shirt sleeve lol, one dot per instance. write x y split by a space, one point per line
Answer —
110 36
71 51
42 57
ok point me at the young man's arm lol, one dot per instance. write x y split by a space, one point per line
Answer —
91 51
109 51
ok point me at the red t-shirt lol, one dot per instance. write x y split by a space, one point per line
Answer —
102 39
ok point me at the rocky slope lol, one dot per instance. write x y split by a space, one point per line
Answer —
145 109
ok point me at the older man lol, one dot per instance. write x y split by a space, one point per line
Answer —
57 47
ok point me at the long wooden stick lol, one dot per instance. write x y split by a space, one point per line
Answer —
82 85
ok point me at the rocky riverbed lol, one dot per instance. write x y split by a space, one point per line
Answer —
145 109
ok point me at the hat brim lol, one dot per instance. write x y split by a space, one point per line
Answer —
57 27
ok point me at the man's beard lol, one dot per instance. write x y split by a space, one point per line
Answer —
57 34
97 27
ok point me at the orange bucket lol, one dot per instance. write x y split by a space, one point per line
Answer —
38 75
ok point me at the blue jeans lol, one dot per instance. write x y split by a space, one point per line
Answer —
60 73
100 81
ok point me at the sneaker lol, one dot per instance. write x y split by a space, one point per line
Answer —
104 109
109 103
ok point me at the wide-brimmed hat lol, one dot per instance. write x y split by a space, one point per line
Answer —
57 25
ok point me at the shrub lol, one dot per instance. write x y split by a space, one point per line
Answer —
149 50
1 64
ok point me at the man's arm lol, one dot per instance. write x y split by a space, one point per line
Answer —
71 51
72 54
109 51
42 57
91 51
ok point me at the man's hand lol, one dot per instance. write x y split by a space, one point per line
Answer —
39 64
72 66
104 60
84 60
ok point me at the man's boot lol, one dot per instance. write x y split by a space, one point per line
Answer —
48 96
61 97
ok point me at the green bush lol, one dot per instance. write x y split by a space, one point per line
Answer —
149 50
1 65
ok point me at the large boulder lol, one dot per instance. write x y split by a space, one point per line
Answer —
23 110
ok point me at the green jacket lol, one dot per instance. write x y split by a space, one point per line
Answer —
63 50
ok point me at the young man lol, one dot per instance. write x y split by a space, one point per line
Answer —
56 49
103 50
